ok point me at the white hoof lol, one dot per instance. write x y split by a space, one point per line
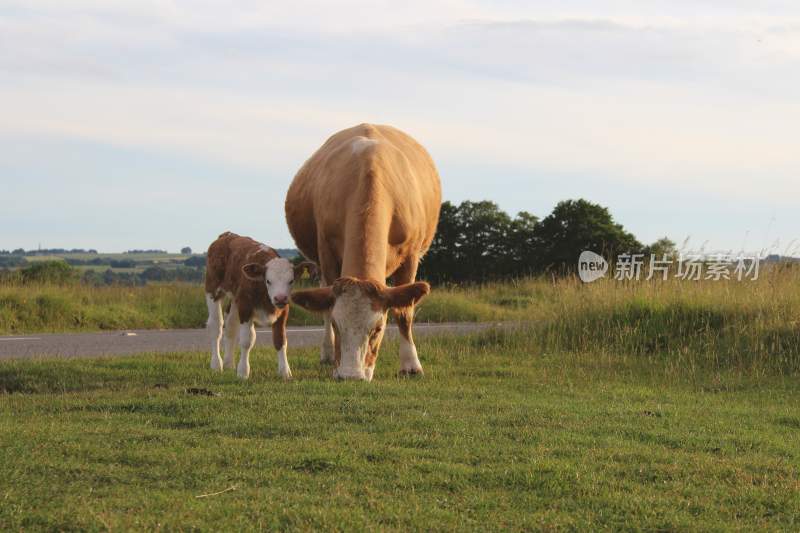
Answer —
342 374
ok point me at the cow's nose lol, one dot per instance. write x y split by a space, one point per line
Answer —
281 299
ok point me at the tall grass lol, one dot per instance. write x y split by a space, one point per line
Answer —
753 326
75 307
750 324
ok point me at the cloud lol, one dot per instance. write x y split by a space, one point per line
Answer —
611 94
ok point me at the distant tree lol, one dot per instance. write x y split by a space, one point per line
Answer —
289 253
478 241
57 272
196 261
662 247
575 226
18 251
523 244
121 263
186 250
154 273
12 261
442 260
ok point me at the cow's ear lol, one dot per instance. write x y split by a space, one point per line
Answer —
306 266
315 299
406 295
254 271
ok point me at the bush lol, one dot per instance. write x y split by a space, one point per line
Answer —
57 272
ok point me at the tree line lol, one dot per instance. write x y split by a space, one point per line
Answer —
474 242
477 241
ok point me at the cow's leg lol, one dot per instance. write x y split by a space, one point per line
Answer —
372 355
409 361
231 336
327 353
279 341
247 338
329 272
214 327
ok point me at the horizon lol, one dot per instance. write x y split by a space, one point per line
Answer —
163 123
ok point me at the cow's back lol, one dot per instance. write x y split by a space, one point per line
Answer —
335 184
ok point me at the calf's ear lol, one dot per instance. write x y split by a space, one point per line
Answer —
406 295
315 299
254 271
308 266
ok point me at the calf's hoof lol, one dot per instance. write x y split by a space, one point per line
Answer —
411 373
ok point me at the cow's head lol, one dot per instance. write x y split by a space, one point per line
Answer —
358 315
279 275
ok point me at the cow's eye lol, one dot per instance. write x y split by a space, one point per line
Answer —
269 282
291 282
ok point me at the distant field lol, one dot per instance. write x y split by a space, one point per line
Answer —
506 431
160 258
142 261
757 323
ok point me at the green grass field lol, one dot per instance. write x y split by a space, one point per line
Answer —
501 434
639 406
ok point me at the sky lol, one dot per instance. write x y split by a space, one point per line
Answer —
160 124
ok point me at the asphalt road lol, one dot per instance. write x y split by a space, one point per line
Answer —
179 340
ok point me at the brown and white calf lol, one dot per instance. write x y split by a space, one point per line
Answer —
365 208
258 282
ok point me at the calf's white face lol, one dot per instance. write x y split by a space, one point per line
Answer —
277 274
358 315
279 278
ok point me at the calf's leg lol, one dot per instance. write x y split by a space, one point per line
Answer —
231 335
247 338
279 341
214 327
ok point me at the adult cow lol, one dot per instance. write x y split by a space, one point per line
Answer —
365 207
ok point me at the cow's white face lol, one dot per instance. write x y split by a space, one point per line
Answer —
358 314
357 318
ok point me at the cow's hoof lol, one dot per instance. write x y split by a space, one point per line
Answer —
411 373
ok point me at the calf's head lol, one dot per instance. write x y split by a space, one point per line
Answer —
279 275
358 315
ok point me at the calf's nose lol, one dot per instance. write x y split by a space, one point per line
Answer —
281 299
